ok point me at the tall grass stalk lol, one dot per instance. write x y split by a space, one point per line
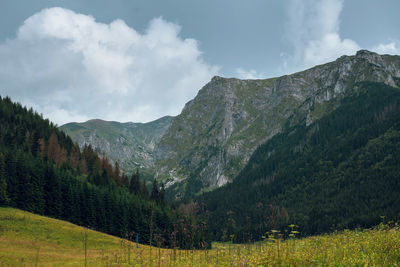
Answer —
151 234
85 241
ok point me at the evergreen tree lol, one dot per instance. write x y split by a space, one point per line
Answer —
53 149
4 199
143 190
134 185
155 193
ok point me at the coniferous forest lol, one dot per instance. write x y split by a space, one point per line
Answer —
43 171
340 172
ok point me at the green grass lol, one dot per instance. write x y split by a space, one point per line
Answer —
27 239
31 239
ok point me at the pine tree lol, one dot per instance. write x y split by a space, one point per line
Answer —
4 199
83 166
42 147
124 180
161 194
53 149
53 193
35 145
143 190
155 192
134 185
74 157
117 173
12 182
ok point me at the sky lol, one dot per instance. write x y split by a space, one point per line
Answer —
131 60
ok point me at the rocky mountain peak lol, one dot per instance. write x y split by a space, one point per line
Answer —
368 55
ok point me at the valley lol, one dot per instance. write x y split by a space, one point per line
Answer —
300 169
199 133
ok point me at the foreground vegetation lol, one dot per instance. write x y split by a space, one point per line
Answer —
27 239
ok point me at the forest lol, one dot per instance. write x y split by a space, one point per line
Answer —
43 171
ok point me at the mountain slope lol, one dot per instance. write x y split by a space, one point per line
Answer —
129 143
217 132
339 172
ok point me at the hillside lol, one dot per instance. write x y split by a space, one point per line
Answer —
43 171
28 239
338 172
211 141
31 240
131 144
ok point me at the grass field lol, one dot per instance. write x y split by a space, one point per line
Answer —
27 239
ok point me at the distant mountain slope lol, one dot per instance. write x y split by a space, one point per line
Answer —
213 138
130 143
341 171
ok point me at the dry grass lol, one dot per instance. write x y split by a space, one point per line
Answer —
31 240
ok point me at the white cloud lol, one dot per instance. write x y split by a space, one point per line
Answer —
390 48
72 68
330 47
313 29
248 74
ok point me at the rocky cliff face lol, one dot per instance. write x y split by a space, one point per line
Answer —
130 143
213 138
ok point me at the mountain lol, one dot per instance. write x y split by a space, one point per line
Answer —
129 143
211 141
339 172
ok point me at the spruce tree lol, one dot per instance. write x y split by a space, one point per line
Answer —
4 199
155 192
134 185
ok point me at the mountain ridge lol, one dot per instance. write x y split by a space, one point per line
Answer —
129 143
216 133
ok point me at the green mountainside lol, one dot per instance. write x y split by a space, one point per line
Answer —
341 171
131 144
212 140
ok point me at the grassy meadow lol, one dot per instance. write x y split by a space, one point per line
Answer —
27 239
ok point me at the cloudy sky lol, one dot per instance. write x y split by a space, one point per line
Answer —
131 60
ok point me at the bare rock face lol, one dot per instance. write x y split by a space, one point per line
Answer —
213 138
131 144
